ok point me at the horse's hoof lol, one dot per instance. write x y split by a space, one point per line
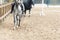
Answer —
14 28
17 26
29 16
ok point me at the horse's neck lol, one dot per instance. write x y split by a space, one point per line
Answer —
18 6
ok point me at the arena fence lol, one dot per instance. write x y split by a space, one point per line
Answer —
5 10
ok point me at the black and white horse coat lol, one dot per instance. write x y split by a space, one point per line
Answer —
20 8
28 5
17 13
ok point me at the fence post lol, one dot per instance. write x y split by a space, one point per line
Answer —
42 13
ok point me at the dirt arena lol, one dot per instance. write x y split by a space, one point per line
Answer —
35 27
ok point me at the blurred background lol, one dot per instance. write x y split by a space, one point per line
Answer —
50 2
5 1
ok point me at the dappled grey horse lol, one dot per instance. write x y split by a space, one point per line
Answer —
17 13
26 5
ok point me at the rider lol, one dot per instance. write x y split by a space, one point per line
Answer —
22 5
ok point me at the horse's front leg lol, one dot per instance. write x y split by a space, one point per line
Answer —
29 13
15 21
19 17
18 20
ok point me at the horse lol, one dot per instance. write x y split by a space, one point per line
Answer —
17 9
28 5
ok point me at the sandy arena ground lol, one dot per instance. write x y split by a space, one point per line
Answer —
35 27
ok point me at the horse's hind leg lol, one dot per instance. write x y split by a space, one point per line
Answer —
29 13
24 13
19 23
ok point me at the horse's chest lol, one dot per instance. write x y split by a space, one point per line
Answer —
17 9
